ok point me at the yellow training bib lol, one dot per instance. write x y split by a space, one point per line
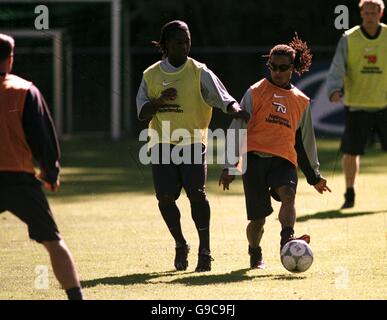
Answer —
365 84
184 120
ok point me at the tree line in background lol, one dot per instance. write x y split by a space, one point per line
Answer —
226 24
212 22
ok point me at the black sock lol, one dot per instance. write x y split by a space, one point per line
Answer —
200 211
181 244
204 240
286 234
350 193
74 293
171 216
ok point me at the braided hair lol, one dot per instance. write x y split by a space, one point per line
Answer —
166 31
298 52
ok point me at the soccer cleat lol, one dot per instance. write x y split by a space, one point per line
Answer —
349 197
256 260
204 261
181 262
304 237
348 204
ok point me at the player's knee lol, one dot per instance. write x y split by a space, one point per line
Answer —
197 196
287 195
257 224
166 200
54 245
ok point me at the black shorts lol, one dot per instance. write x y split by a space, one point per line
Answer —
29 204
262 177
359 126
169 179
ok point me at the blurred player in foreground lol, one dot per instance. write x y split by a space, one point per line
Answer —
26 133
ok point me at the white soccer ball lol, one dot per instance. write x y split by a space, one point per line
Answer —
296 256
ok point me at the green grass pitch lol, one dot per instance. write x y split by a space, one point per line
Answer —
107 212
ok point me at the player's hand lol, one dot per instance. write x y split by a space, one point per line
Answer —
242 114
321 186
336 96
226 179
53 187
238 113
168 94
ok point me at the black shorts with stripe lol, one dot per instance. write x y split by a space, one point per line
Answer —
23 196
262 177
359 128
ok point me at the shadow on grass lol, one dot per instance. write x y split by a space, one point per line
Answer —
335 214
197 280
131 279
234 276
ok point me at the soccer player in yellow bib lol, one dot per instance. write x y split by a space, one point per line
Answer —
178 93
359 72
280 136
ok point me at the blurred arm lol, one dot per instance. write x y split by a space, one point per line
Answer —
337 70
237 125
306 148
41 136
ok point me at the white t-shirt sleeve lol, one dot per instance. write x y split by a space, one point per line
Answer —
142 96
213 91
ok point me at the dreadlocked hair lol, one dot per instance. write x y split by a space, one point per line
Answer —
303 57
166 31
298 52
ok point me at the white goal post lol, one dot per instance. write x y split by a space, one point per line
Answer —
115 96
56 37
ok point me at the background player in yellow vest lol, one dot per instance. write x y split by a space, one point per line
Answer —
27 132
280 136
181 91
359 72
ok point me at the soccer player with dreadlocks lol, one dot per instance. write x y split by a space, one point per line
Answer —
181 91
280 136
